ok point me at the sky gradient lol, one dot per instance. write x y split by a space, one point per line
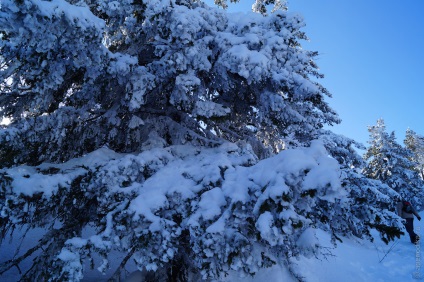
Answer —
371 53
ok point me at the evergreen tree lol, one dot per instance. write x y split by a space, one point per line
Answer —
392 164
150 129
415 143
73 80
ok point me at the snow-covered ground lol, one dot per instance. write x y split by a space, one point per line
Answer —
365 261
354 261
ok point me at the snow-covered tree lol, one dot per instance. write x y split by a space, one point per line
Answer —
343 149
149 131
79 76
415 143
392 164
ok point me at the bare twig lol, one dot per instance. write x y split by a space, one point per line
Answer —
117 274
5 266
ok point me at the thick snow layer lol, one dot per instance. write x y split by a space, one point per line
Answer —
28 182
80 15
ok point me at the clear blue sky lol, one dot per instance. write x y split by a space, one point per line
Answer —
372 56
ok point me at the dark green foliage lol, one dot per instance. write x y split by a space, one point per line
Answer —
388 233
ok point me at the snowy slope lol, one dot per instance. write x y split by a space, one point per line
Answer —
366 261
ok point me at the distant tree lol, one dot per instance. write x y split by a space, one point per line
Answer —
369 204
415 143
392 164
